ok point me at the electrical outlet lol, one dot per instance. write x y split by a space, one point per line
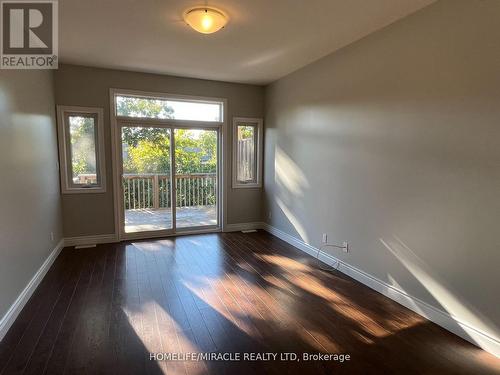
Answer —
345 247
269 215
52 236
325 238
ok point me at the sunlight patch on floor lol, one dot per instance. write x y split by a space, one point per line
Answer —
286 263
212 299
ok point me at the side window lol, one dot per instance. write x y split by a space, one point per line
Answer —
81 149
247 152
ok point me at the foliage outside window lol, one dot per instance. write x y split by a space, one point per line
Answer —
147 150
81 149
133 106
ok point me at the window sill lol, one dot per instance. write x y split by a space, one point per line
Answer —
247 186
92 190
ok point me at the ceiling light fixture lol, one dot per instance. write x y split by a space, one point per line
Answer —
205 20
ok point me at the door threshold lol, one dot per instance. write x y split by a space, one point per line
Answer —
147 236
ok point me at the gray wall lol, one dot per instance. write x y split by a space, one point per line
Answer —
29 189
392 143
92 214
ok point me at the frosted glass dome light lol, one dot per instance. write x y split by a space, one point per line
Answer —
205 20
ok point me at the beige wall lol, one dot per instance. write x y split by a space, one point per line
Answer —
393 144
29 188
92 214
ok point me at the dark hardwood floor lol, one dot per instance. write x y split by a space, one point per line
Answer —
104 310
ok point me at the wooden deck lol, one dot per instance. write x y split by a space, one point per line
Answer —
148 219
104 310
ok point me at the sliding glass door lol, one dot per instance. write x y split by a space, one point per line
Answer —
166 156
196 160
164 192
147 179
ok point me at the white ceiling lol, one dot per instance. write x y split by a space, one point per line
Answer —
264 40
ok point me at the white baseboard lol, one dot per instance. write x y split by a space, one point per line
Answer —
242 226
440 317
90 240
11 315
311 250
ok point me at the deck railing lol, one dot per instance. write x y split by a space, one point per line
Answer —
153 190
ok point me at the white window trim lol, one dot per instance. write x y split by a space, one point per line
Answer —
223 155
66 187
258 122
174 97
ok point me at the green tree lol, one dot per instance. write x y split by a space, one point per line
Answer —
147 150
149 156
139 107
245 132
196 152
82 145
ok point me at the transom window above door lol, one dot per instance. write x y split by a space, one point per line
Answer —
166 108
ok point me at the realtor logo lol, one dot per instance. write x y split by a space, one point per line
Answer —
29 35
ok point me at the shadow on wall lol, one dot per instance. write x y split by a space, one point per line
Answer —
291 186
464 317
286 200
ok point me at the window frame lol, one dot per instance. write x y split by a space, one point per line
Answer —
258 123
65 164
166 97
224 155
